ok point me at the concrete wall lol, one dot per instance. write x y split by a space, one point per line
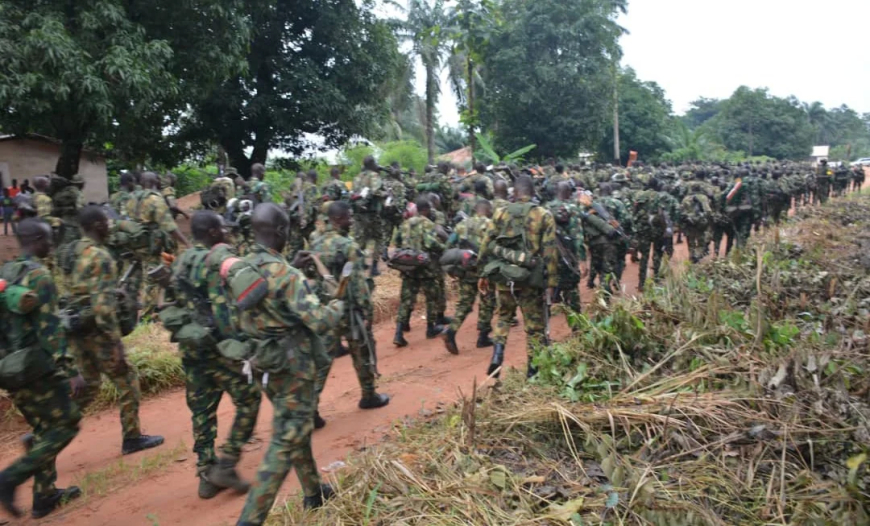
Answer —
26 158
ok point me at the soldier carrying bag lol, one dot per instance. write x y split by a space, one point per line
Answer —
408 261
513 263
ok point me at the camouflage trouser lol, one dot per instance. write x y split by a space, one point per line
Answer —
720 229
389 226
742 229
359 353
644 242
206 380
54 417
698 241
568 292
366 228
411 285
467 294
442 295
96 354
821 194
532 303
604 261
294 399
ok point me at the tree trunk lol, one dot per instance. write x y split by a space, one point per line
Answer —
238 159
430 112
70 154
471 119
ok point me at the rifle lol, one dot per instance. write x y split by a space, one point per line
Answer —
567 257
604 214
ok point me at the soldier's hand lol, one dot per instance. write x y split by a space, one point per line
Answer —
301 259
483 286
77 385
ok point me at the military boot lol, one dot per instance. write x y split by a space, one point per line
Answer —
399 339
45 504
450 341
224 474
433 330
531 370
27 440
7 496
374 401
483 339
406 327
319 422
312 503
375 272
140 443
444 320
207 489
497 360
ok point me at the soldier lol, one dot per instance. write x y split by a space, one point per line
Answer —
125 193
96 341
45 402
621 219
777 198
150 209
334 189
476 178
469 234
66 204
535 225
303 203
696 216
261 191
395 203
823 183
292 317
197 287
437 181
569 241
42 202
167 188
652 226
500 191
418 233
743 204
858 177
335 248
368 201
602 239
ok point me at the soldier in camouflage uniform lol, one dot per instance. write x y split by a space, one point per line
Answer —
777 197
696 217
500 190
744 206
335 248
438 182
652 228
478 182
368 202
46 403
395 203
442 227
97 344
419 233
469 234
569 241
198 288
602 239
120 199
619 211
290 315
539 230
42 203
261 191
334 189
823 183
303 211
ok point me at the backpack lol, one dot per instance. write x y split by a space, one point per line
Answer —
158 241
512 263
128 236
192 329
695 210
408 261
213 197
459 263
19 367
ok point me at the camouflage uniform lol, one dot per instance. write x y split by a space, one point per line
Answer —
619 210
208 375
438 183
334 190
823 185
306 219
499 203
418 233
46 404
368 223
603 249
745 208
696 218
119 201
540 234
394 208
572 251
293 315
649 228
474 179
43 204
335 249
472 230
149 208
93 281
261 191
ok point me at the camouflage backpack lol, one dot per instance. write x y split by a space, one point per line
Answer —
695 210
512 263
213 197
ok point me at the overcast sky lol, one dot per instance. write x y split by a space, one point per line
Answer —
693 48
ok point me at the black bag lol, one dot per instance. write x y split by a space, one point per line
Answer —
408 261
458 262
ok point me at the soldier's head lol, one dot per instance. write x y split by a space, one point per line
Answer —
424 207
149 181
311 176
128 182
480 168
369 163
258 171
500 189
169 180
269 223
483 208
77 180
339 216
34 237
563 190
94 222
524 186
605 189
335 173
480 187
444 167
435 199
41 183
560 168
654 184
208 227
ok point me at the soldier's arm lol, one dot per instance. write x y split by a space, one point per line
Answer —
548 248
358 285
104 280
163 218
48 326
303 303
577 233
487 238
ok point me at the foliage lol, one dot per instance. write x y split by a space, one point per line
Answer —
547 72
449 139
192 179
644 119
408 154
487 152
352 156
111 73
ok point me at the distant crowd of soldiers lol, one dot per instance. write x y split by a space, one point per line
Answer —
272 286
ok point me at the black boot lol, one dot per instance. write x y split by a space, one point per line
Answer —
27 440
483 339
374 401
450 341
532 370
312 503
443 320
497 360
406 327
341 351
140 443
319 422
224 474
43 505
399 339
433 330
207 489
7 496
375 272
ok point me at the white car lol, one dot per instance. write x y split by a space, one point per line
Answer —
863 161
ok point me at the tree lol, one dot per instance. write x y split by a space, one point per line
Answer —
109 71
424 26
644 119
313 67
547 72
700 111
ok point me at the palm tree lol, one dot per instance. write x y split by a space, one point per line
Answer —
424 26
820 120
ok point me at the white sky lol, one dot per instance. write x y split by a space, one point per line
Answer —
693 48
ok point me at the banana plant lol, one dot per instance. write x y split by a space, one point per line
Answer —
486 151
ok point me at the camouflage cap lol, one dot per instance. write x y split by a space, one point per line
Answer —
77 179
618 178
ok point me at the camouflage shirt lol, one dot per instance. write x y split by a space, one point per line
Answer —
262 191
94 276
334 190
119 201
569 227
418 233
373 203
335 249
149 208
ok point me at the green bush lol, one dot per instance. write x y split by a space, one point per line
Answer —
192 179
409 154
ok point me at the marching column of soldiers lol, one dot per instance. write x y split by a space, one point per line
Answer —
273 286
